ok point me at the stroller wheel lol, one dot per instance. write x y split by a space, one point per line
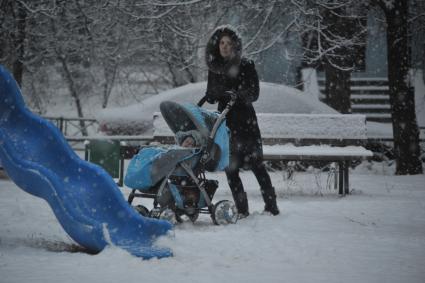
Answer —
142 210
224 212
169 215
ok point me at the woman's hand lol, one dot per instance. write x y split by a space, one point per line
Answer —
231 94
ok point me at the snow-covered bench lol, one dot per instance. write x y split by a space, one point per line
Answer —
304 137
316 137
342 156
313 129
293 137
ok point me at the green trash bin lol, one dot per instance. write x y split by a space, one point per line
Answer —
107 154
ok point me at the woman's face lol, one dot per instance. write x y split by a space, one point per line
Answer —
226 47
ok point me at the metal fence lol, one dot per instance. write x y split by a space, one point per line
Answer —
78 131
74 126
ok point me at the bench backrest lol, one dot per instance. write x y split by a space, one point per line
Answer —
306 129
299 129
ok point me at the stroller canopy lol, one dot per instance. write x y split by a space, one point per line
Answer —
186 117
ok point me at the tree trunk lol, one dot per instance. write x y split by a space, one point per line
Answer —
402 99
110 72
343 43
190 75
74 93
338 89
18 42
173 75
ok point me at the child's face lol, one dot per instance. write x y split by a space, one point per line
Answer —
188 142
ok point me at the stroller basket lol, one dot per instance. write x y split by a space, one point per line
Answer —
191 193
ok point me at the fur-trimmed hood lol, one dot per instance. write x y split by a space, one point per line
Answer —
213 59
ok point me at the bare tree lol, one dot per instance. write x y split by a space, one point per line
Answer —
344 35
402 99
93 41
333 37
417 34
14 18
180 31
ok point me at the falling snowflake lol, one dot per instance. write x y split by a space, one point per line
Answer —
389 4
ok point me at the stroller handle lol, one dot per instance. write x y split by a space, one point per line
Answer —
220 119
206 156
202 101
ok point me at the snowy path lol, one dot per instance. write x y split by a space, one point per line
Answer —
375 235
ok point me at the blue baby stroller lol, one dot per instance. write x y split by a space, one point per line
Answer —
175 176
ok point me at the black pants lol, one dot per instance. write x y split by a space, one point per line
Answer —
238 192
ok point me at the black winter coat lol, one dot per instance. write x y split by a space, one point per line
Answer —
245 142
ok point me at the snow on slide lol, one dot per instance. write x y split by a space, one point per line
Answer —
83 197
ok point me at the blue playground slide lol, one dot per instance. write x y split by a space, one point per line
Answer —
83 197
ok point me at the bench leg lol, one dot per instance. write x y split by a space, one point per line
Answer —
346 180
341 178
334 172
121 173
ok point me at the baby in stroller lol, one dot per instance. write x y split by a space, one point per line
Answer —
192 138
174 177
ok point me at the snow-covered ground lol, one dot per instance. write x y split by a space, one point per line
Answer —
377 234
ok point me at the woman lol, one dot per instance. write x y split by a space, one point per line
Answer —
231 75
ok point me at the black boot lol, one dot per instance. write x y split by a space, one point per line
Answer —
241 202
238 192
269 197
